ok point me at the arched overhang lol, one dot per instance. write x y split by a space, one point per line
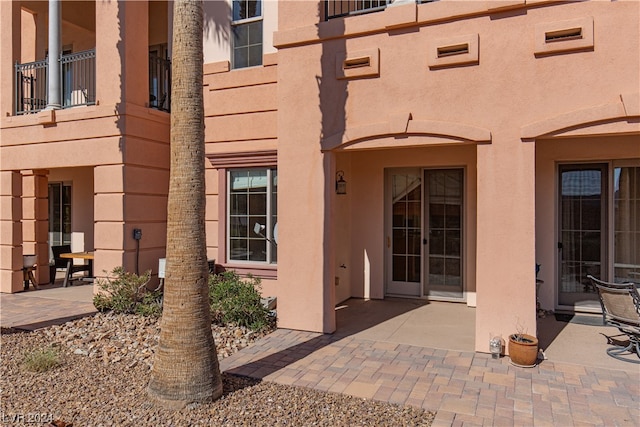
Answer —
395 132
618 117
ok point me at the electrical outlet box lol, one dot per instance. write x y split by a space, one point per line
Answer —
137 233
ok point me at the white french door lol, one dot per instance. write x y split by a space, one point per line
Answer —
424 233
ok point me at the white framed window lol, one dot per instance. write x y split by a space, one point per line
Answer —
252 215
247 33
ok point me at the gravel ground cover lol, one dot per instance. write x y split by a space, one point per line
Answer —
104 369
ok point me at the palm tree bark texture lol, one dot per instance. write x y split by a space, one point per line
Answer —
186 365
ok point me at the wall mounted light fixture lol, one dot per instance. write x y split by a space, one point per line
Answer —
341 184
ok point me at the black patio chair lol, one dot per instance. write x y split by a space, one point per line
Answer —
621 308
63 262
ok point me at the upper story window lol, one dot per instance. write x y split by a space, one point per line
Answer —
247 33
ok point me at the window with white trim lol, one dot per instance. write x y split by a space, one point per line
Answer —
252 215
247 33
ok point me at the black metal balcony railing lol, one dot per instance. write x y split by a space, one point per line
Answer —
78 82
31 87
78 74
159 83
337 8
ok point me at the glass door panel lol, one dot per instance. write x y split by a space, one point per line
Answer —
443 200
626 219
582 233
59 215
406 229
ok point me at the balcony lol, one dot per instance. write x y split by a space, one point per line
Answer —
78 83
338 8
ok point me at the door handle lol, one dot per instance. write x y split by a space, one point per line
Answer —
559 245
424 241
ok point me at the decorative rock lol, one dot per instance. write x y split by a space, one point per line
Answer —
109 387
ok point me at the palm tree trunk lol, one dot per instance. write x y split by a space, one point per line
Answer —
186 365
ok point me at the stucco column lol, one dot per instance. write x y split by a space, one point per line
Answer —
108 201
9 54
505 275
122 46
129 197
305 243
10 231
55 93
35 220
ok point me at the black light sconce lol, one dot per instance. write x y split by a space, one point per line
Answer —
341 184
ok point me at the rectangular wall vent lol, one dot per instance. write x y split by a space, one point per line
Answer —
351 63
561 35
459 49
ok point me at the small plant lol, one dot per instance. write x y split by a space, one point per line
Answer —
521 333
236 300
41 359
151 304
126 292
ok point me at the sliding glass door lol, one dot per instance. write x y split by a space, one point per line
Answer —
599 230
582 232
626 217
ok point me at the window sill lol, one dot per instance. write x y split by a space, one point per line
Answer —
261 271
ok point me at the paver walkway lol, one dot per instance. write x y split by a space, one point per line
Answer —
465 388
37 309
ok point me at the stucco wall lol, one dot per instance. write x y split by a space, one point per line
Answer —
240 120
510 79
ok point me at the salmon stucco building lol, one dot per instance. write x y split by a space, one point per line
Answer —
433 150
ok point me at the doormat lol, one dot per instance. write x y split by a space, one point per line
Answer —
579 319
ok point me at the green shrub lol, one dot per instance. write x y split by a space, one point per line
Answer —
41 359
151 304
125 292
235 300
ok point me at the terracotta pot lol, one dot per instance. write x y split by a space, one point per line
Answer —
523 352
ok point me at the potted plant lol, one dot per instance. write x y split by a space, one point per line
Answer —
523 348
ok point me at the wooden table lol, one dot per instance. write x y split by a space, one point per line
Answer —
76 255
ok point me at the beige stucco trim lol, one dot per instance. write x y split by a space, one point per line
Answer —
375 135
398 17
243 160
621 108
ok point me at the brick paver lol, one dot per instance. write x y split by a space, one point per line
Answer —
464 388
